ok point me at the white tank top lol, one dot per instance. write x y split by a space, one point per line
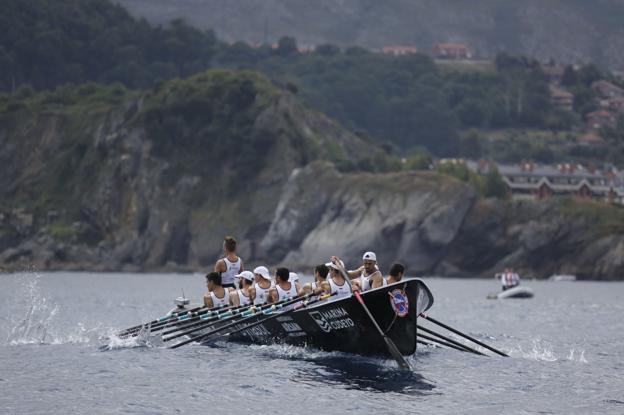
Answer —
220 302
242 298
365 282
232 269
262 294
342 290
283 294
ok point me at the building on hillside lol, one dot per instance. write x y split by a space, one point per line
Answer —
306 48
562 99
452 51
597 120
607 89
528 180
616 105
590 139
399 50
554 73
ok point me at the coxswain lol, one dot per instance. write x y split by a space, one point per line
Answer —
368 275
320 276
231 264
217 295
262 286
244 295
284 288
335 282
396 273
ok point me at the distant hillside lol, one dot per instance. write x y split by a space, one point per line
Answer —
567 30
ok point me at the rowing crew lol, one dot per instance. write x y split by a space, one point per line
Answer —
258 287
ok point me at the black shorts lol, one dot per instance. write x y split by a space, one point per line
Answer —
229 285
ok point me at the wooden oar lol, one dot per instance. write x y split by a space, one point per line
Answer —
459 333
458 345
252 311
392 349
253 314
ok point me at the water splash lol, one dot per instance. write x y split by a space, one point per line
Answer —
112 341
542 350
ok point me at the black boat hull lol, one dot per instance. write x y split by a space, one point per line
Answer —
342 324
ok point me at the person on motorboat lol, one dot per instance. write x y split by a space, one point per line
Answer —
396 273
320 276
509 279
283 288
335 282
366 276
217 295
262 286
231 264
243 296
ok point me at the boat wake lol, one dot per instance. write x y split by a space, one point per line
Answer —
541 350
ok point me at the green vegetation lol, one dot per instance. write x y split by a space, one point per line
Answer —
605 219
488 185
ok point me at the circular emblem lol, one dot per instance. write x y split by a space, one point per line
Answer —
399 302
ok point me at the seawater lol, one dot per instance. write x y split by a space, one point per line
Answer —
59 355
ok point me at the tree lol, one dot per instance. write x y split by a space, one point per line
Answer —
494 184
286 46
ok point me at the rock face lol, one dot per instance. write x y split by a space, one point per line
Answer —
434 224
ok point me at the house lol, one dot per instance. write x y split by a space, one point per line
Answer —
452 51
600 119
616 105
554 73
527 180
607 89
560 98
590 139
399 50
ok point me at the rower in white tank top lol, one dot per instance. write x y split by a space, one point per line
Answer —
232 269
341 291
283 294
220 302
242 298
262 294
365 281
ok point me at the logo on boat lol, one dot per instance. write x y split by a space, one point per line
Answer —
336 319
399 302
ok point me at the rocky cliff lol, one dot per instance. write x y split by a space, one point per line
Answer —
436 225
102 178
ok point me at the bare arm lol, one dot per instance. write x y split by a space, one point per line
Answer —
377 279
272 295
220 266
234 301
207 301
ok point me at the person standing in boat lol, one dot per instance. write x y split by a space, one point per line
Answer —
283 287
262 286
243 296
231 264
509 279
368 275
396 273
320 276
335 281
217 295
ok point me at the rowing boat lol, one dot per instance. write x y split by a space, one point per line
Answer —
342 324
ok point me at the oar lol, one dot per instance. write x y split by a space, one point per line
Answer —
392 349
253 310
465 336
449 340
269 310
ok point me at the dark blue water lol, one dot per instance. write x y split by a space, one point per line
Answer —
567 348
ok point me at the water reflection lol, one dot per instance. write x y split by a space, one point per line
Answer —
354 372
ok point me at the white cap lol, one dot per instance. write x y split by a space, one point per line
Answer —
334 266
263 272
370 256
293 277
248 275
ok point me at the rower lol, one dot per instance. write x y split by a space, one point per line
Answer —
335 281
284 289
368 275
396 273
262 286
243 296
217 295
320 276
231 264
